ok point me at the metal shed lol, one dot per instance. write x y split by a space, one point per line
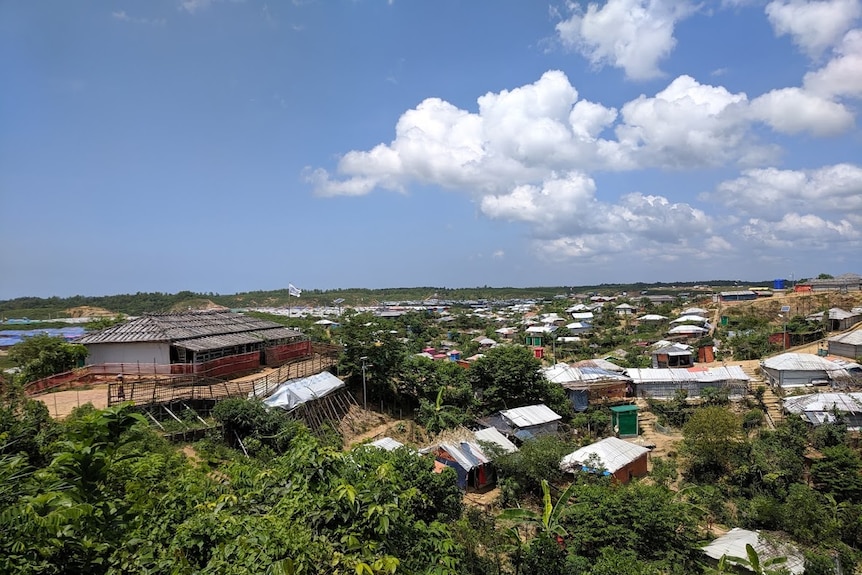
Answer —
619 458
664 383
846 344
800 369
532 420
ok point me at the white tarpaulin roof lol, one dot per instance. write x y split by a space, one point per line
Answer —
530 415
295 392
734 541
491 435
613 453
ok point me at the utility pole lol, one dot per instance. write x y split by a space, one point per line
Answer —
364 358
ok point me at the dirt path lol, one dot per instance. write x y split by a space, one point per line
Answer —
60 404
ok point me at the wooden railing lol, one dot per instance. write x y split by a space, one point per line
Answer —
146 391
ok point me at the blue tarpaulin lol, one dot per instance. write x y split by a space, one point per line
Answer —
10 337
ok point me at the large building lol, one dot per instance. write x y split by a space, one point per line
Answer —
211 343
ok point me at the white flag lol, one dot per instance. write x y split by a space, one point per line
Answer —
293 290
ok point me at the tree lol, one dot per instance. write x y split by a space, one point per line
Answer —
537 460
43 355
710 438
365 335
839 473
436 417
508 376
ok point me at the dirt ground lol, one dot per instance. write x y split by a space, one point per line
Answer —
89 311
61 403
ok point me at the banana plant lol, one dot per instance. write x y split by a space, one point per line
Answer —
549 521
754 563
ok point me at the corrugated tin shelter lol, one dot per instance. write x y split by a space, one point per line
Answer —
690 319
837 319
599 363
652 317
734 541
664 383
790 370
531 420
846 344
674 355
694 311
820 408
470 463
739 295
844 282
588 383
213 343
687 330
618 458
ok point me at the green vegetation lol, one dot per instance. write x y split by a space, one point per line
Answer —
42 355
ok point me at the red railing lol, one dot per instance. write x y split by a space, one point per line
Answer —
217 368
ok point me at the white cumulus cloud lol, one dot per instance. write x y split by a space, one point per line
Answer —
634 35
814 25
685 125
564 211
793 110
841 76
836 188
808 231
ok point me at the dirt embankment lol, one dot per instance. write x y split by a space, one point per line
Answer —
89 311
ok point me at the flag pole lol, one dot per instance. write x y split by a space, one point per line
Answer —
289 310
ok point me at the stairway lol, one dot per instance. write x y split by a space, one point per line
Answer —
774 406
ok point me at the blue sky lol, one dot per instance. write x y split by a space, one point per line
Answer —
226 146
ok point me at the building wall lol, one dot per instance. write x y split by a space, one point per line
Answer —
144 354
793 378
668 389
845 349
280 353
637 468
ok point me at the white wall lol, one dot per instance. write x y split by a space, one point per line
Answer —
145 353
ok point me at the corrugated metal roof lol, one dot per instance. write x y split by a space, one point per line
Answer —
672 350
231 339
652 317
614 454
564 374
687 329
530 415
694 318
491 435
467 454
842 402
599 363
852 338
694 311
183 327
716 374
800 362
